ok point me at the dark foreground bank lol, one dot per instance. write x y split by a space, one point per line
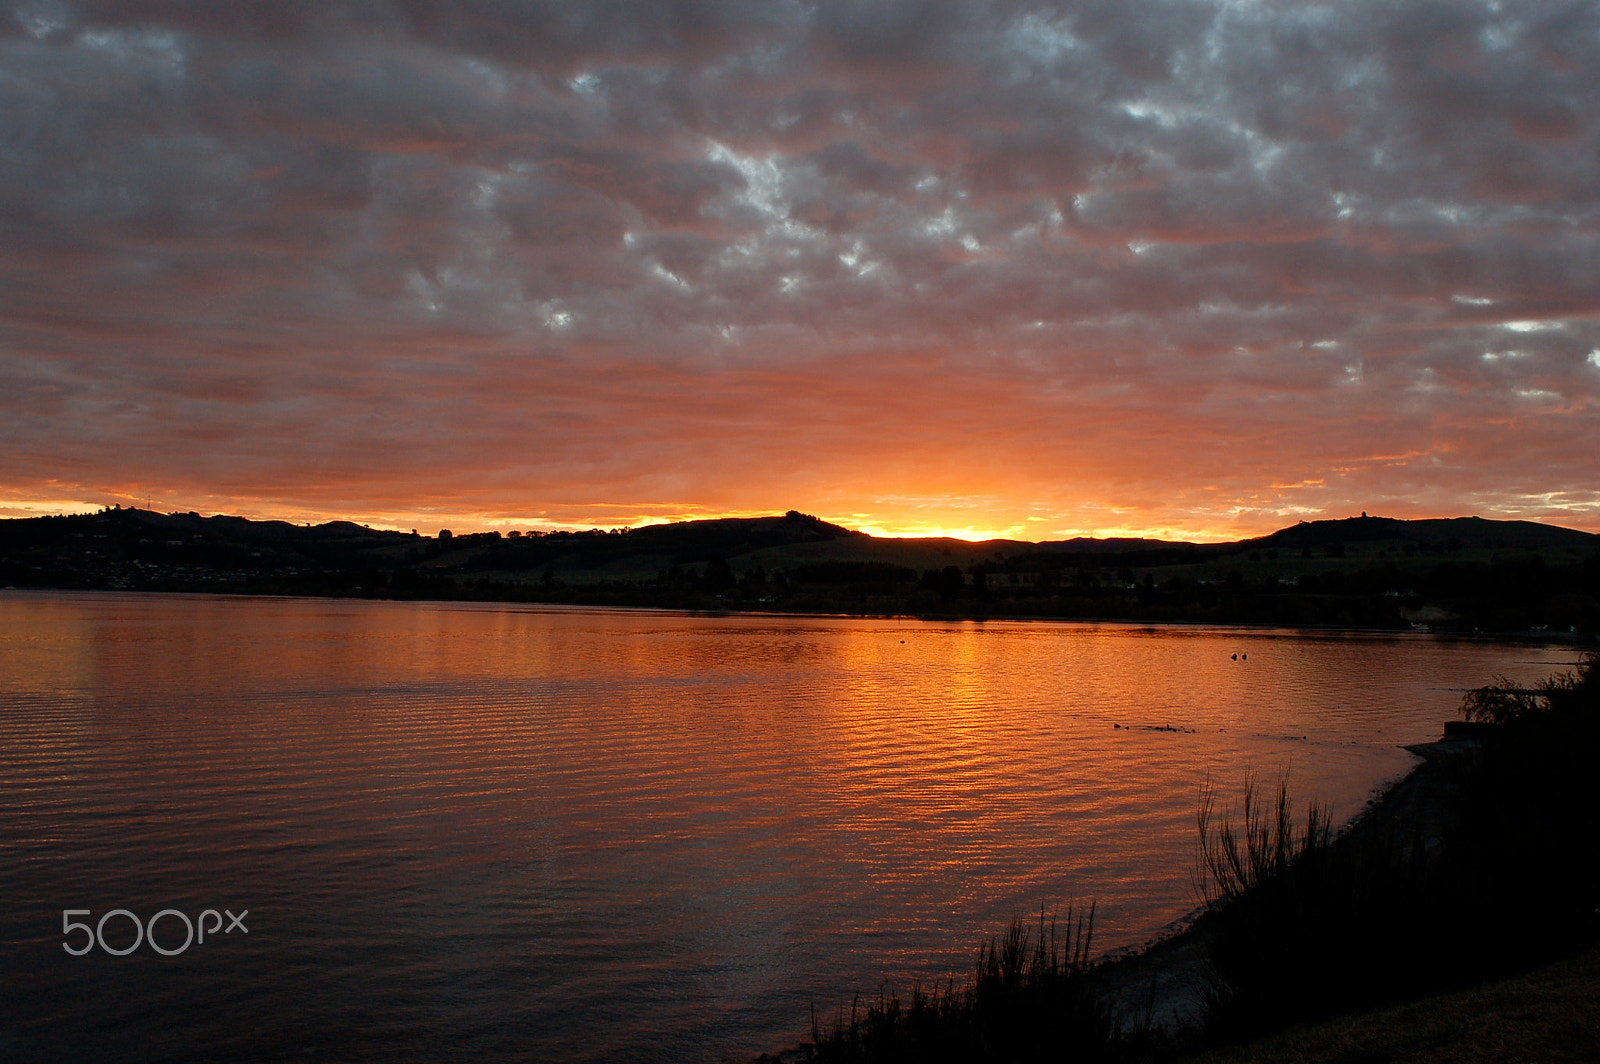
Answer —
1550 1014
1481 864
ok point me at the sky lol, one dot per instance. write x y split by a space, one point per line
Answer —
1187 269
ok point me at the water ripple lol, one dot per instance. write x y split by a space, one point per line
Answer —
522 833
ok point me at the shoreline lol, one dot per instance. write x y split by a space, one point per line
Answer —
1167 973
1526 638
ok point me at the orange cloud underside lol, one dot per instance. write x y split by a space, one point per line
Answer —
945 271
893 445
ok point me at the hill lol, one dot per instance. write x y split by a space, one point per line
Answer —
1459 574
1457 531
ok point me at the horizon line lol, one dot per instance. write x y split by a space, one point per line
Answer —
868 527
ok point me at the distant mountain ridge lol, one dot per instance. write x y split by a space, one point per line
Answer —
1462 574
734 536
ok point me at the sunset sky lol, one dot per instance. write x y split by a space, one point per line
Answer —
1195 270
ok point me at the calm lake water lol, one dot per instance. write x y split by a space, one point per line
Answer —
513 833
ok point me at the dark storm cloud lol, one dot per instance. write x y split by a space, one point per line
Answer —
1353 248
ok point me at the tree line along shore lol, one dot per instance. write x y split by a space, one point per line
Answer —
1458 575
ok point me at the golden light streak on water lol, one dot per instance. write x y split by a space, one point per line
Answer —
513 832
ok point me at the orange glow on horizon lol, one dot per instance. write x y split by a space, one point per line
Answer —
1033 309
961 524
429 522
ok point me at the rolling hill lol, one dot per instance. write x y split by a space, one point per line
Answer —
1462 573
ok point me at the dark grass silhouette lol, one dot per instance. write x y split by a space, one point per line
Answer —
1029 999
1498 871
1300 924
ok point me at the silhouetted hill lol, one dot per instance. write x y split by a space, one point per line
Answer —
1112 545
1462 531
689 541
221 527
1459 574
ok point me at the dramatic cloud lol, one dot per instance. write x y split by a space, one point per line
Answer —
1193 268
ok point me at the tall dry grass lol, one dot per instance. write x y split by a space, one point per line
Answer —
1029 999
1503 871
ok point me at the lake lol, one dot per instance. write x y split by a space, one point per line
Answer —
498 832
